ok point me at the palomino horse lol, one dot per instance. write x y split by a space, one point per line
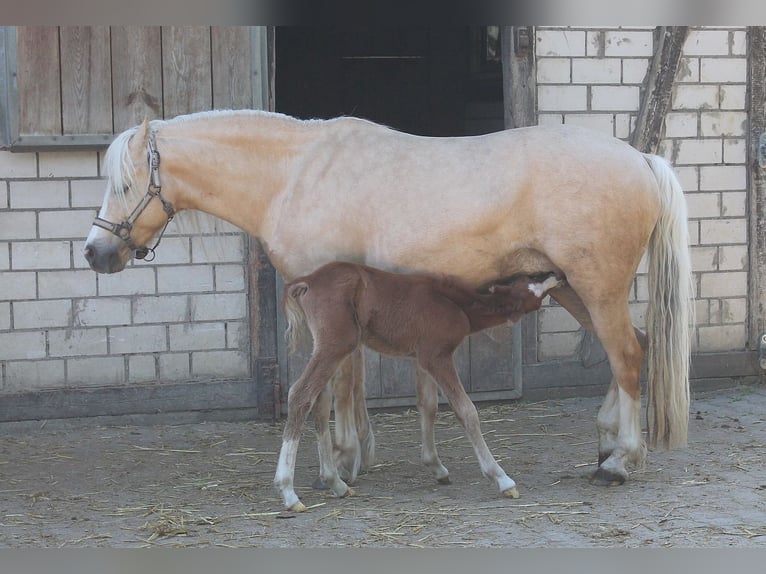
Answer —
345 305
531 200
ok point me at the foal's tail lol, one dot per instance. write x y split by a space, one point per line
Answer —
297 329
670 314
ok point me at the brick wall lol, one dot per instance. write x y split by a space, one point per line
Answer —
593 77
61 325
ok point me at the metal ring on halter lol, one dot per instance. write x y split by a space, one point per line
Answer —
154 189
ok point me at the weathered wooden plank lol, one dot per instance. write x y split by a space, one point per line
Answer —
86 80
39 80
136 75
232 57
519 76
186 70
658 88
492 361
757 113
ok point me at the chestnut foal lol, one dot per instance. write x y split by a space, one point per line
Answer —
346 305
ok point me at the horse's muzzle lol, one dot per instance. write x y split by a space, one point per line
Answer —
104 259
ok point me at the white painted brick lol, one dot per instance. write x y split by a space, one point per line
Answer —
17 225
703 205
161 309
707 43
142 368
596 71
41 255
68 164
594 43
722 338
617 98
681 125
704 258
603 123
723 231
634 70
42 314
183 279
723 177
698 151
733 97
74 223
626 44
77 342
88 192
218 306
17 164
735 151
16 285
723 70
623 125
173 251
739 43
197 336
694 232
102 312
702 311
133 281
559 42
39 194
5 315
731 123
733 311
556 320
688 70
729 284
550 119
554 71
62 284
221 249
5 256
642 288
694 97
4 201
95 371
31 375
689 177
562 98
174 366
237 335
230 278
22 345
558 345
734 204
638 314
144 339
733 258
219 364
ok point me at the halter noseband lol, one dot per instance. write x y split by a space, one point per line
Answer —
154 189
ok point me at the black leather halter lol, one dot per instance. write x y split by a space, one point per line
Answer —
154 189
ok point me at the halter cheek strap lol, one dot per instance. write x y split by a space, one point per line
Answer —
154 189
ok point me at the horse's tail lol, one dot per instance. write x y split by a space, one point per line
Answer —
670 314
296 329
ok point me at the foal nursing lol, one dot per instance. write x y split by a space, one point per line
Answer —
346 305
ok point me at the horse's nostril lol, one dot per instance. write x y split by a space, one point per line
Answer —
89 253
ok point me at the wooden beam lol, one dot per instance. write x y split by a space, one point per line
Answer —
519 76
658 88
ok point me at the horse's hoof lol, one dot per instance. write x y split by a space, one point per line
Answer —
444 480
319 484
511 493
349 492
297 507
603 477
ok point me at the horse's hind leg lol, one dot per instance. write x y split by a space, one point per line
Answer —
428 406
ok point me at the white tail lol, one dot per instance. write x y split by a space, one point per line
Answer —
295 317
670 314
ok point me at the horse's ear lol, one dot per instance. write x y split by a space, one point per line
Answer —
142 133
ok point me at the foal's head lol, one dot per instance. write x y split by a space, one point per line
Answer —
524 293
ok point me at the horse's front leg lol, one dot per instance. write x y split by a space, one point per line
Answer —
428 406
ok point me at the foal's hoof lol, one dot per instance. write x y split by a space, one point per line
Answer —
349 492
604 477
444 480
298 507
319 484
511 493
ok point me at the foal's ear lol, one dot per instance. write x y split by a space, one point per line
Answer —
142 133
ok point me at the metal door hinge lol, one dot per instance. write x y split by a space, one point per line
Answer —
762 353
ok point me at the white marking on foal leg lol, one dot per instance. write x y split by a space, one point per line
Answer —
283 479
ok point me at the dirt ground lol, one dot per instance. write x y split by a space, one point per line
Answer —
209 484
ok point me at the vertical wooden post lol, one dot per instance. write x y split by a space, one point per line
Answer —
658 87
756 50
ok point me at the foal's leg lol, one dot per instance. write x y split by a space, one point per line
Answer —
348 451
361 418
428 406
301 398
442 369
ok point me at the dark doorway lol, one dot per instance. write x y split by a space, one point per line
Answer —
426 81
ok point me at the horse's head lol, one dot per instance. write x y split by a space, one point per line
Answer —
134 209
